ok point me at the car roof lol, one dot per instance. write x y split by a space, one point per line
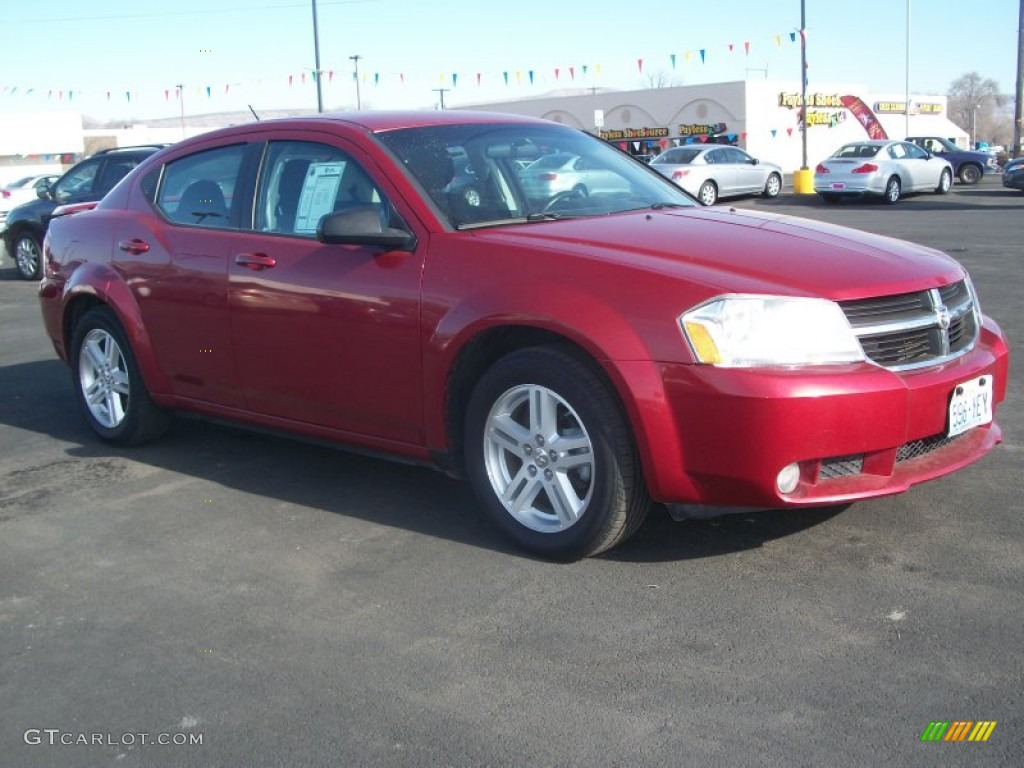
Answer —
384 120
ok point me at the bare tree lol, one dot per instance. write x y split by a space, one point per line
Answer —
974 103
659 80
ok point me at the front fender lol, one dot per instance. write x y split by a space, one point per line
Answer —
598 328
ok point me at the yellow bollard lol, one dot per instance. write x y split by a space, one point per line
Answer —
803 182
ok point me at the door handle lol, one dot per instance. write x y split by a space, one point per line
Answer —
135 246
255 261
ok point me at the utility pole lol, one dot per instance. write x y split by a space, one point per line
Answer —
442 92
803 85
181 103
316 59
355 75
1018 118
906 81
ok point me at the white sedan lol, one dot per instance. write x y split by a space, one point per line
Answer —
886 169
22 191
716 170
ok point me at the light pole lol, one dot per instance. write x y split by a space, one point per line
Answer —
803 179
442 92
1018 113
316 58
355 74
181 103
974 126
803 84
906 81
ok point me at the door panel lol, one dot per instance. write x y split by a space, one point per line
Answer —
324 334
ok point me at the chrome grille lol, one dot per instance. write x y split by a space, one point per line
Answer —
911 330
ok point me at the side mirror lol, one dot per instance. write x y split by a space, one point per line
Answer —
43 193
363 226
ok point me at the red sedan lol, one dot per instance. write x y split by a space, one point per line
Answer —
576 355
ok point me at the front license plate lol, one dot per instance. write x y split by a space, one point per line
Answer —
838 185
970 405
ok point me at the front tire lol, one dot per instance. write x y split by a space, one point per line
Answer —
708 193
892 190
28 256
550 456
773 186
108 384
945 182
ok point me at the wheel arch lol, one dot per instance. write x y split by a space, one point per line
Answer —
97 286
488 345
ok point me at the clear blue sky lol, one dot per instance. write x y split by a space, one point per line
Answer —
59 54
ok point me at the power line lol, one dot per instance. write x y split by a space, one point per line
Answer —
203 12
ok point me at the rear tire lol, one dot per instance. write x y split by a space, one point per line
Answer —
772 186
108 384
550 455
28 256
892 190
970 173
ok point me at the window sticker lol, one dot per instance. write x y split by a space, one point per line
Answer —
319 191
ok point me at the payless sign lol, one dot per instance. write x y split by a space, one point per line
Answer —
635 133
900 107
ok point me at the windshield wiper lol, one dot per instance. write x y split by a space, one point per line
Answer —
662 206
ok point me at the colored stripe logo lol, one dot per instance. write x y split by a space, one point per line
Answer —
958 730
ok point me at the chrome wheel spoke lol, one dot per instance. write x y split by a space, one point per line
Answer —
543 412
564 500
508 433
103 378
539 458
95 354
119 382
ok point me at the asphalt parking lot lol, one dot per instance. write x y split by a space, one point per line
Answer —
287 604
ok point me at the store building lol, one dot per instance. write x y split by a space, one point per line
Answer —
761 116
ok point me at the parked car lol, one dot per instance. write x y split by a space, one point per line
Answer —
712 172
968 166
564 173
22 191
574 357
1013 174
86 181
882 168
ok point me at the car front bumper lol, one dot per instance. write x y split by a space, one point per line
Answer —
721 436
1014 179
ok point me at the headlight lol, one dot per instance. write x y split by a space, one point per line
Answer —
743 331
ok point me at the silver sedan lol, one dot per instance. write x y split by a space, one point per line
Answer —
886 169
714 171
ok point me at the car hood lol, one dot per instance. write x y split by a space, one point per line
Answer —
742 251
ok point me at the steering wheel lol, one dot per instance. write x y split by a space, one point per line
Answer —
559 197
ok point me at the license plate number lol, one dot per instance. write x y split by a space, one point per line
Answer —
971 405
838 185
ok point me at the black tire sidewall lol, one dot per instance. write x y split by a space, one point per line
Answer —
573 383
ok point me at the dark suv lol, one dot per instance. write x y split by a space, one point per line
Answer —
87 181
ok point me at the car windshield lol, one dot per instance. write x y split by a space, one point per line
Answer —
20 183
676 157
522 172
857 150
